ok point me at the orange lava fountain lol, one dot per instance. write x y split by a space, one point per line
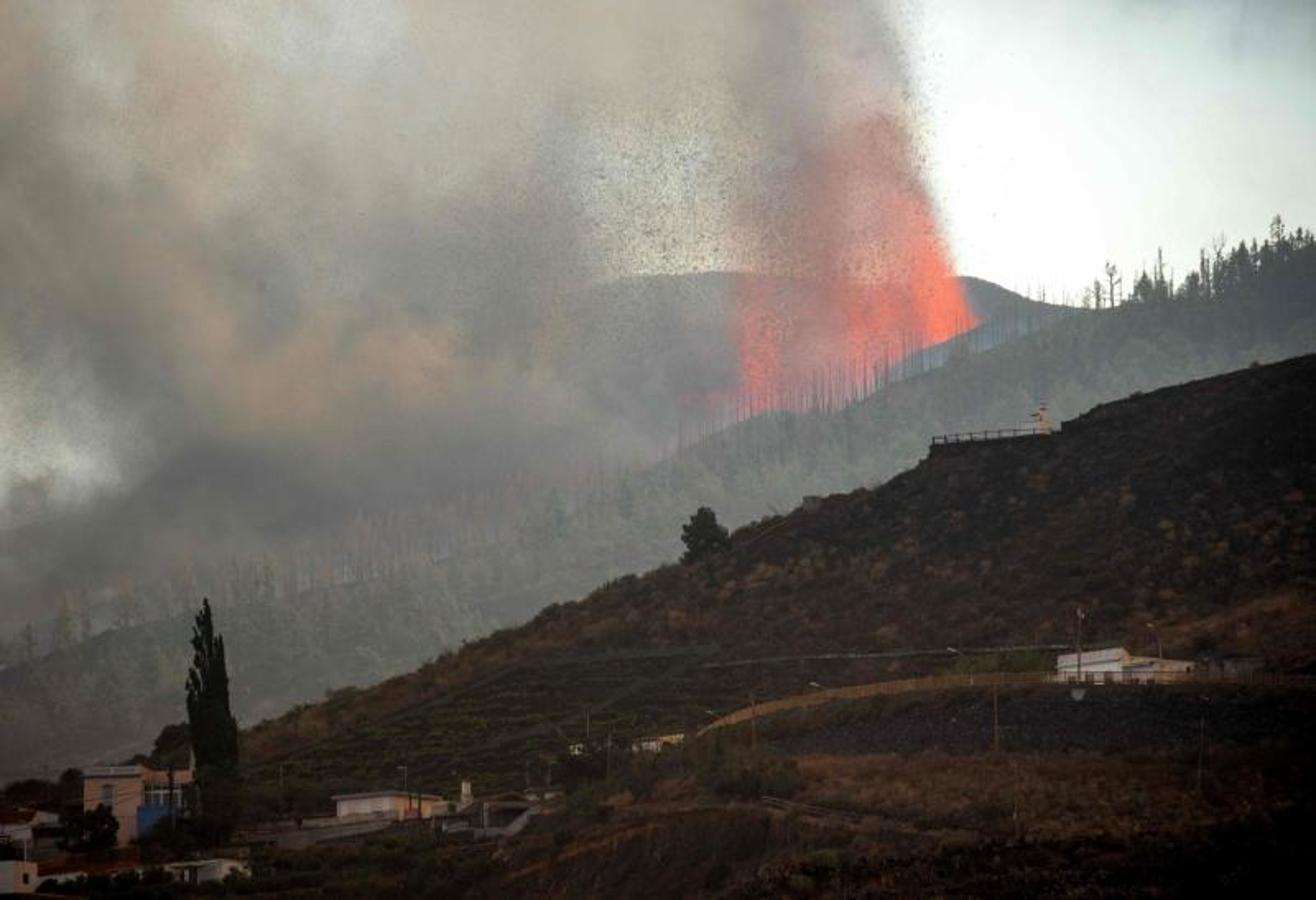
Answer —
870 282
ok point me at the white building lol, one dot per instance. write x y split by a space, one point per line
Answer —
1092 662
18 827
204 871
1117 664
656 743
18 876
139 797
1150 668
389 804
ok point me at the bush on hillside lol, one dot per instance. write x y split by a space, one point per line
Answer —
703 536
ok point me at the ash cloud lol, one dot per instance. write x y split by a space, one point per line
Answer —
267 264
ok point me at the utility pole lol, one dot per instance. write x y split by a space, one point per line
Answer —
753 724
996 722
607 764
1157 635
1201 752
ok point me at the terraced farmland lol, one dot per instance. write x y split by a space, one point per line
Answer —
494 728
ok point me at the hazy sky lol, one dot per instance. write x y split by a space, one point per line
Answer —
1060 133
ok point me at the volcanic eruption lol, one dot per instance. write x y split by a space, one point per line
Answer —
854 229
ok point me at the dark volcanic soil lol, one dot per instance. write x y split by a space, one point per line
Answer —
1045 719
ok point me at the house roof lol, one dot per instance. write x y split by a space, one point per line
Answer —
113 771
1105 654
16 815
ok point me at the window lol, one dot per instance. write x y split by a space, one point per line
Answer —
158 795
107 795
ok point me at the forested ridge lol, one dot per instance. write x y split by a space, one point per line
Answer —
389 591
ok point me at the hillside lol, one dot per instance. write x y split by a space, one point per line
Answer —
1189 507
986 790
304 615
644 348
503 556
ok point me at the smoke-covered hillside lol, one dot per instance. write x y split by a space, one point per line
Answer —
362 595
498 559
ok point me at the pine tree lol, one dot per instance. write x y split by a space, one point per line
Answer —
703 536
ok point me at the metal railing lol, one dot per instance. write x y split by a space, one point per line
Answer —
989 434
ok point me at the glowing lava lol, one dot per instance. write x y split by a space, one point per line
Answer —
869 281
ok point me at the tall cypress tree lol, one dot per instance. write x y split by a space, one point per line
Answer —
213 729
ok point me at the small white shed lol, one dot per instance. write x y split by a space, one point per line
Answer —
205 871
18 876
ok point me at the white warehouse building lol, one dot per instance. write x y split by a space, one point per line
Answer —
1117 664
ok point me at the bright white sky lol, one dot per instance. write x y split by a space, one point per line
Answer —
1059 134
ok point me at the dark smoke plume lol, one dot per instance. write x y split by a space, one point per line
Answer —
268 265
